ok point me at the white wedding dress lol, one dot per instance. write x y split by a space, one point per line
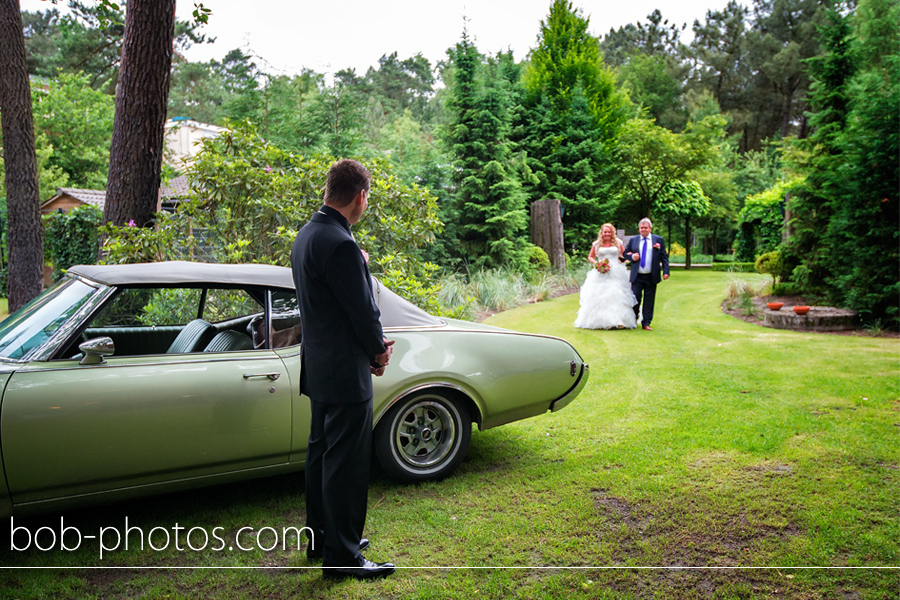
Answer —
606 298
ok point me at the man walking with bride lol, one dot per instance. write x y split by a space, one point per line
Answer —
649 266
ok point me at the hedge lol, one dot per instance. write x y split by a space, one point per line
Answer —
735 267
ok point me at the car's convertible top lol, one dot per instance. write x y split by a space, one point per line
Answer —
395 311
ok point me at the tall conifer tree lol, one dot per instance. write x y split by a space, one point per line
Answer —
573 113
490 205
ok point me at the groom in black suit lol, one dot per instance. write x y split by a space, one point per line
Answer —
649 266
342 346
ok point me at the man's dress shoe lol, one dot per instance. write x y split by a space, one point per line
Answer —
366 570
319 552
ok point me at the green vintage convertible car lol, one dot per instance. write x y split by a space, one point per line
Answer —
128 380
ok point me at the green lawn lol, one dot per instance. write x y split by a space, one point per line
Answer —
709 458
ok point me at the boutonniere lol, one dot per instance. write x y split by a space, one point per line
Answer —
656 245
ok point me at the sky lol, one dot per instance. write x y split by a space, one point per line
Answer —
286 36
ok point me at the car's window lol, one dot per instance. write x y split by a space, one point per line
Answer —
149 320
34 323
284 307
286 330
226 305
160 307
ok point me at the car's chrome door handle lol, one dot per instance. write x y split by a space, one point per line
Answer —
272 376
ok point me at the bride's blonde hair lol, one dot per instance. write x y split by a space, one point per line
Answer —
615 238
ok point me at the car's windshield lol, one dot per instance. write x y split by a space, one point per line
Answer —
35 322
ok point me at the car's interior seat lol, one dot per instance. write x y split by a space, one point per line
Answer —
229 341
193 338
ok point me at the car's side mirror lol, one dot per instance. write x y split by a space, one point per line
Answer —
94 350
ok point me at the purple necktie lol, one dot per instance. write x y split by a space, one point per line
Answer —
644 254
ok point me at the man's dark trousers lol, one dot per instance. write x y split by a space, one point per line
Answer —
644 289
345 429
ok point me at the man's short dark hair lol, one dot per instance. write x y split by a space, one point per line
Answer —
346 178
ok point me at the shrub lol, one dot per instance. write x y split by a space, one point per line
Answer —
696 258
71 238
537 258
786 288
129 244
250 198
771 263
735 267
676 249
532 262
740 293
761 221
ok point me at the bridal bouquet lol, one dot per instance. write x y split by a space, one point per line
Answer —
602 265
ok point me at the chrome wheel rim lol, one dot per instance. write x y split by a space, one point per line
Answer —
425 433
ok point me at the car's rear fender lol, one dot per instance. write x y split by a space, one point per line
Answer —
467 397
504 375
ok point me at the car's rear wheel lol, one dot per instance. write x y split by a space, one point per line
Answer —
423 437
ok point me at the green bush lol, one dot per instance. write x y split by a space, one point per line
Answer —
249 198
734 267
786 288
533 262
762 221
537 258
130 244
696 258
771 263
71 238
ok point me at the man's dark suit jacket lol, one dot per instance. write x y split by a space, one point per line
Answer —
660 260
341 324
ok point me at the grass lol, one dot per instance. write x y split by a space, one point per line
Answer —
710 458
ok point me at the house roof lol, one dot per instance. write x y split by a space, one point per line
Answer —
177 187
94 197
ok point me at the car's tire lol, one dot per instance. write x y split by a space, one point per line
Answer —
423 437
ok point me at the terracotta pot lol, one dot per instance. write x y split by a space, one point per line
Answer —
801 310
775 305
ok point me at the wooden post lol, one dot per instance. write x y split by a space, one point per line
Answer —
547 231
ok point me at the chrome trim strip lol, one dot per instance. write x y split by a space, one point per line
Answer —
200 359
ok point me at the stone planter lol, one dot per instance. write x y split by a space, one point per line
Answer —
819 318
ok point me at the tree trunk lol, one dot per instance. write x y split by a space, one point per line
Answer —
715 242
547 231
787 110
136 150
26 247
687 244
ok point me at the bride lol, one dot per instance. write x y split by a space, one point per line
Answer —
606 298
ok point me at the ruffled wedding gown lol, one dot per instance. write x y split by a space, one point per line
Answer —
606 298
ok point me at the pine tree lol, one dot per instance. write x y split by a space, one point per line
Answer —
490 205
136 148
21 172
573 113
867 211
813 207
